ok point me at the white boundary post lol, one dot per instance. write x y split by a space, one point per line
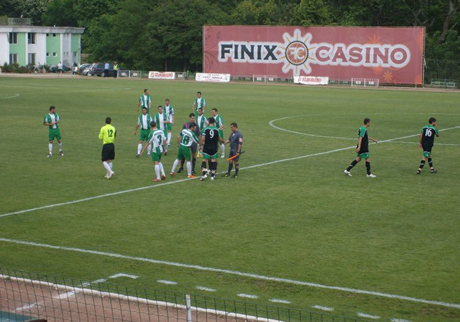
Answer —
188 305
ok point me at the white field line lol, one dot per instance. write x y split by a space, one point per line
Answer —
323 308
302 133
187 179
230 272
203 288
398 320
124 275
249 296
368 316
280 301
4 98
141 300
167 282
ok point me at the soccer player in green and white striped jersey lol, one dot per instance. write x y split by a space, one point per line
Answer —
220 127
184 141
201 119
143 122
169 111
157 140
199 102
52 120
161 119
145 100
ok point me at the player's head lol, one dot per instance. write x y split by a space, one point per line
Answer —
200 111
193 126
52 109
144 110
192 117
153 124
367 121
108 120
211 121
160 109
146 91
432 120
198 94
214 111
167 101
234 127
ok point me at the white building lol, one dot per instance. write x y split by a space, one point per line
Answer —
39 45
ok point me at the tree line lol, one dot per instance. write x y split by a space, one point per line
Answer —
167 34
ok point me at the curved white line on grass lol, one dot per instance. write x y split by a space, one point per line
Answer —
230 272
280 301
203 288
4 98
368 316
323 308
249 296
167 282
302 133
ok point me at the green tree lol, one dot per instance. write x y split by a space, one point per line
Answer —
60 13
312 13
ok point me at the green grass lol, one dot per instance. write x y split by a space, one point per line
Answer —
299 219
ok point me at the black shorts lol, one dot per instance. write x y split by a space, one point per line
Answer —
108 152
210 151
427 148
232 153
193 147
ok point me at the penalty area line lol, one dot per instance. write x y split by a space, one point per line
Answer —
161 184
231 272
187 179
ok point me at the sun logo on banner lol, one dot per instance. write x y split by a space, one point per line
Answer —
296 53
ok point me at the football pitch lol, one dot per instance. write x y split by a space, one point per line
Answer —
292 229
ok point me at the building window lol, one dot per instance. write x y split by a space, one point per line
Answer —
13 38
54 35
47 54
32 58
31 37
13 58
47 35
55 54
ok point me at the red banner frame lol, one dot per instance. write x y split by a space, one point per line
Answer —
392 55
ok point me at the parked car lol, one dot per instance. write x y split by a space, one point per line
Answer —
84 68
54 69
99 70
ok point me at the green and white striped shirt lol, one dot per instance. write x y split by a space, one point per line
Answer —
188 137
52 118
144 121
156 139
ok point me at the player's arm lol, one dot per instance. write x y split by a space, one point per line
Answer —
360 140
179 137
137 128
101 134
146 145
139 104
420 140
373 140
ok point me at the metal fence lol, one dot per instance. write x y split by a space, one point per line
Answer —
34 297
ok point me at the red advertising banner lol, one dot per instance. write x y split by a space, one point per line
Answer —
391 55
